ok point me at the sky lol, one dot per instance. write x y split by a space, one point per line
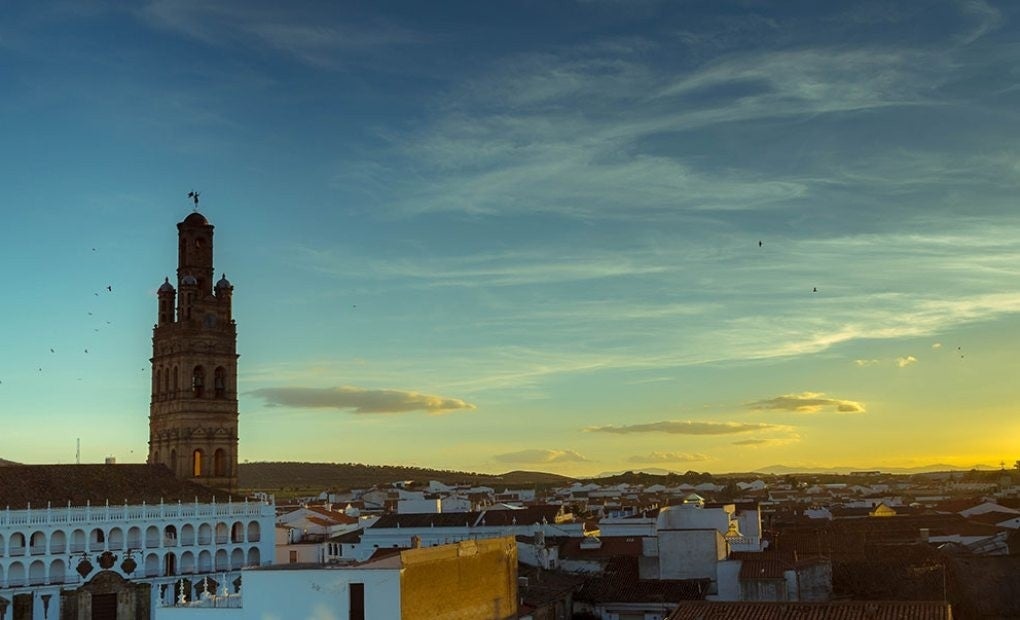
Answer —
575 236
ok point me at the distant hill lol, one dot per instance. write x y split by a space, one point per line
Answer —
341 476
6 463
786 469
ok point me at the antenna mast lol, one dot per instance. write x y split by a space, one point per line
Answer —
77 451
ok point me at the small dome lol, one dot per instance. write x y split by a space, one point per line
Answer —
166 287
195 219
189 280
224 282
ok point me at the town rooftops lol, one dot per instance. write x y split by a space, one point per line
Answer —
22 486
843 610
524 516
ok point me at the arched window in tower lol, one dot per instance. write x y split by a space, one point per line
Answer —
175 381
198 381
155 380
166 380
220 463
220 382
196 464
173 461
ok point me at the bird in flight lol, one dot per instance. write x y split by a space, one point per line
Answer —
814 289
759 244
109 288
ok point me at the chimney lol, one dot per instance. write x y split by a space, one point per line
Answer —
925 533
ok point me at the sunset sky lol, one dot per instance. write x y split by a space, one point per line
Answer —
574 236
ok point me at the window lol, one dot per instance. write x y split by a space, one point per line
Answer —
198 381
220 463
220 382
196 464
293 557
357 593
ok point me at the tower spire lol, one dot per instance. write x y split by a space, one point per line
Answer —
193 413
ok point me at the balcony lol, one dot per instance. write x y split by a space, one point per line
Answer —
16 550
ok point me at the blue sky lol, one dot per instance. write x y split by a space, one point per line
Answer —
494 236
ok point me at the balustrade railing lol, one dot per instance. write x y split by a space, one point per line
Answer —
101 514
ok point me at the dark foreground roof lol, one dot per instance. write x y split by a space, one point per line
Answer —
845 610
621 583
37 485
986 586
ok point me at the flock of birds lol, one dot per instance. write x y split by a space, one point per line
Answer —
193 197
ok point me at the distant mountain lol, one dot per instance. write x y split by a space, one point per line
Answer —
653 471
786 469
319 477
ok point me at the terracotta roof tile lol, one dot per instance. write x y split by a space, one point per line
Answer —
846 610
79 485
620 583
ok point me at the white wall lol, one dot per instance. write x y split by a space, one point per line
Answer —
418 506
690 554
322 594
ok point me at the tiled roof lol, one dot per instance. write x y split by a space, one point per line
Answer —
770 568
992 518
525 516
611 546
546 586
986 586
847 610
349 537
58 485
336 516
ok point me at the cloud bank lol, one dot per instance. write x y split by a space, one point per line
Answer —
670 457
359 400
536 455
677 427
807 402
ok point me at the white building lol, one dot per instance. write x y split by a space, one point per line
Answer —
48 553
469 579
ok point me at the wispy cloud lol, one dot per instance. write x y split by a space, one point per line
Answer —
985 17
536 455
866 363
762 443
670 457
677 427
359 400
903 362
807 402
302 35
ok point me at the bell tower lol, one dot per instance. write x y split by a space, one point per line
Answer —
193 411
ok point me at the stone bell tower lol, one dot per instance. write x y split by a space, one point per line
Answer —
193 412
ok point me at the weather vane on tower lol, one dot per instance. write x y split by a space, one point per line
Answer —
193 195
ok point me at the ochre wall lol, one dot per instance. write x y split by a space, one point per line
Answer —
469 580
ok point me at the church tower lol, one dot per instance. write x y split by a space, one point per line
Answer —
193 412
